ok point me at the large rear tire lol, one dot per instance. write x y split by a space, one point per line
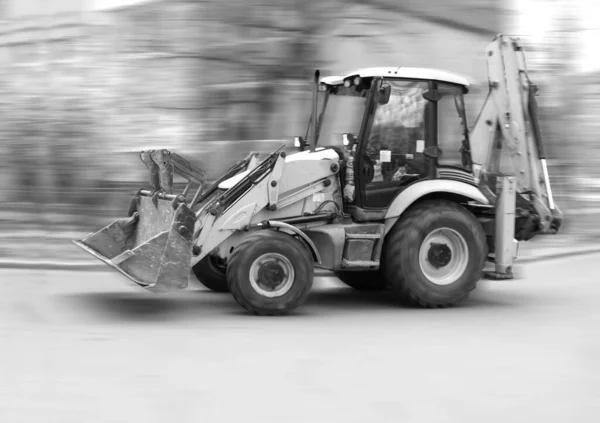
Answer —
270 273
367 281
211 273
435 255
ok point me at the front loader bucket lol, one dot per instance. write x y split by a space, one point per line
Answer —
153 247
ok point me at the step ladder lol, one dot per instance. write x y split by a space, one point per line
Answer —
362 247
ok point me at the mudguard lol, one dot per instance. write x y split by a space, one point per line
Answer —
420 189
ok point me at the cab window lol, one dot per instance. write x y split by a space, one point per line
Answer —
451 124
397 137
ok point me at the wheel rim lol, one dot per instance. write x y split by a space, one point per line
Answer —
272 275
443 256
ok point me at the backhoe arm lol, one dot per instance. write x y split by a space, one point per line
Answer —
506 139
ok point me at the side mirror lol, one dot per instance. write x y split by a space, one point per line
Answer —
432 152
299 143
384 94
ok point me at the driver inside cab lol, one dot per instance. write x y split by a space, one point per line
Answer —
397 136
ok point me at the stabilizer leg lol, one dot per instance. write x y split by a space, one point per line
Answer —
505 243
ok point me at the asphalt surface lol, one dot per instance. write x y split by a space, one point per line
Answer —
86 347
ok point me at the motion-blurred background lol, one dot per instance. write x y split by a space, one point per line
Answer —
86 84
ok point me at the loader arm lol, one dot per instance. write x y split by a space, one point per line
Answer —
272 185
506 139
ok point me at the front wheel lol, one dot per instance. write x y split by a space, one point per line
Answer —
435 255
270 273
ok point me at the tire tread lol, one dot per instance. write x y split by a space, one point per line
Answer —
237 256
404 235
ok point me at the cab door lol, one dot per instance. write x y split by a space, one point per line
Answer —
390 155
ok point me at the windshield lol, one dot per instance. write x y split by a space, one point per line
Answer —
340 111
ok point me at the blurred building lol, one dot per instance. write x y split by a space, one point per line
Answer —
201 77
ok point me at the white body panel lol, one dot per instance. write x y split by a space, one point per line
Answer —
319 154
399 72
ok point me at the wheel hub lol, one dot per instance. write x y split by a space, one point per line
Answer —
439 255
443 256
272 275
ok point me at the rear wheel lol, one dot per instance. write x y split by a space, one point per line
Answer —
270 273
435 255
211 272
363 281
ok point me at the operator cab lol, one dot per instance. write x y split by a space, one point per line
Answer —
401 125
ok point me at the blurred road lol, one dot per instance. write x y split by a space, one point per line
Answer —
85 347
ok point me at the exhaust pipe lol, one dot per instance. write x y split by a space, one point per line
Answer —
313 140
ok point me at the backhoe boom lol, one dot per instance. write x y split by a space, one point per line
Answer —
506 139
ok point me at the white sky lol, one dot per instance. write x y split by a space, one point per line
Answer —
535 17
590 34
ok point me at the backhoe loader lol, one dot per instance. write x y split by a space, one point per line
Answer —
389 190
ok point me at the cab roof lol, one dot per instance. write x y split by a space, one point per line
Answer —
399 72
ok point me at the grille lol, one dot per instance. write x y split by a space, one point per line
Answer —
456 175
